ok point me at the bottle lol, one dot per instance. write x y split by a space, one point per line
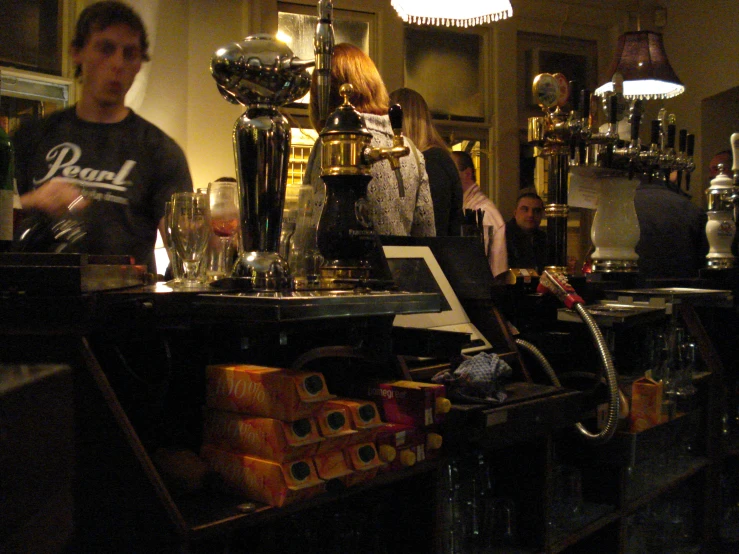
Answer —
7 191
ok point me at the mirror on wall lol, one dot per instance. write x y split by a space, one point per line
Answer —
446 68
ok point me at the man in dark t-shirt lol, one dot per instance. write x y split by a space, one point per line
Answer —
98 160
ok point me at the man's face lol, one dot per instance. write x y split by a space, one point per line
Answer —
110 60
528 213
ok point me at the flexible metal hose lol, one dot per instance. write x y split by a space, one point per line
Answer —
611 377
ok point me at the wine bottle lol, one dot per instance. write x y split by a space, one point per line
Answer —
6 191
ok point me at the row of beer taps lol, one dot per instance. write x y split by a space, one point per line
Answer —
606 146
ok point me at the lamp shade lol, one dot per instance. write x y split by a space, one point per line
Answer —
462 13
642 62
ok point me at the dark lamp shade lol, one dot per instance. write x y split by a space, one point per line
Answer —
641 60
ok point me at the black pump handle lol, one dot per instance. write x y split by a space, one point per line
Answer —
396 117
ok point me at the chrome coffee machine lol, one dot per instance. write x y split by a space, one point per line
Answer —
262 74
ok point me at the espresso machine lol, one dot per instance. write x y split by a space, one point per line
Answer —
262 74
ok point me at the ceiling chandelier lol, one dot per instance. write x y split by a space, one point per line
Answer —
462 13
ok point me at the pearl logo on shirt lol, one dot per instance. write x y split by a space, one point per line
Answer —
98 184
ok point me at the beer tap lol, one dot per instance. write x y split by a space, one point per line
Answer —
689 161
345 235
396 151
630 152
650 158
681 161
323 47
667 155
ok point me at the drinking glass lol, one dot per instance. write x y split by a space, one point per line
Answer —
190 232
224 221
175 262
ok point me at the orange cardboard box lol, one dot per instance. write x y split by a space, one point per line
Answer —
265 391
646 404
265 437
273 483
335 426
332 465
365 418
365 462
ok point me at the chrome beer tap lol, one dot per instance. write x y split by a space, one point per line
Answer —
323 47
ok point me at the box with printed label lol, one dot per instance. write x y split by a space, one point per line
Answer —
265 391
273 483
265 437
365 462
332 465
646 404
410 402
364 416
335 426
411 444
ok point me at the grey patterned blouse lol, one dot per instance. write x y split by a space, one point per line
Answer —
412 215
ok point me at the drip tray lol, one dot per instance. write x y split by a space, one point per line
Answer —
44 274
608 314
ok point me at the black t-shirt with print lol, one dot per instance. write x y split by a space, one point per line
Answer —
129 169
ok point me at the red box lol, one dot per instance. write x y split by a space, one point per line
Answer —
410 402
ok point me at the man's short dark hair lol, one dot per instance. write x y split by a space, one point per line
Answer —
101 15
528 192
463 160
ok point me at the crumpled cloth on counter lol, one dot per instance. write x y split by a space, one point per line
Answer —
477 379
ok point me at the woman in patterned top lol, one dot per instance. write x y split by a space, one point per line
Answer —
392 214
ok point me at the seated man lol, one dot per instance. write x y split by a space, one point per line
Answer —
526 243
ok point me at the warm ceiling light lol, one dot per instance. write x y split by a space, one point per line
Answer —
642 62
462 13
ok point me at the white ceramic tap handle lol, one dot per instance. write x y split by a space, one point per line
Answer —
735 151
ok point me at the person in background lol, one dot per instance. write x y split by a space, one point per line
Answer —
446 187
410 215
493 223
672 232
99 159
526 243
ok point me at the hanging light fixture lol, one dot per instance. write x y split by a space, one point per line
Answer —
642 62
462 13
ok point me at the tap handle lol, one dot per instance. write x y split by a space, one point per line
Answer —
671 135
683 140
690 144
637 109
585 103
396 118
735 151
575 96
613 109
656 127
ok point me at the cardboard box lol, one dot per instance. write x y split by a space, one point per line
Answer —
411 445
273 483
410 402
269 438
364 415
332 466
646 404
265 391
365 462
335 426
